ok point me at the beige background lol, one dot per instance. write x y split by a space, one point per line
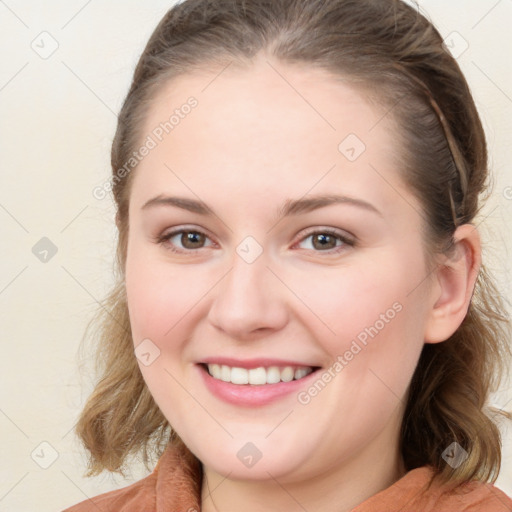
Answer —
56 124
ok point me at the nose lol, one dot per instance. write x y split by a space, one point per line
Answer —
250 301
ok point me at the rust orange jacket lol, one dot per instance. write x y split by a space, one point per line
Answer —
174 486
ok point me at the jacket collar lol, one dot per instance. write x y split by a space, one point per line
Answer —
178 479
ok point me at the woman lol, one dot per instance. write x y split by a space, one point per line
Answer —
301 294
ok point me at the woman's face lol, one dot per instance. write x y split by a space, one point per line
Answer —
270 277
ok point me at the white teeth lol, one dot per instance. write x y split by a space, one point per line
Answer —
273 375
225 373
215 371
239 376
301 372
257 376
287 374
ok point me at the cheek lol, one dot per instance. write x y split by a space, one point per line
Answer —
158 295
359 301
371 320
160 300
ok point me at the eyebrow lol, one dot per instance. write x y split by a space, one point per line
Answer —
289 207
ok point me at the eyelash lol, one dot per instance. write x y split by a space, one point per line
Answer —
346 241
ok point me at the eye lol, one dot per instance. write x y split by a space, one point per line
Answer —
190 239
325 240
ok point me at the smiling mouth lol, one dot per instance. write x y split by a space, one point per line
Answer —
258 376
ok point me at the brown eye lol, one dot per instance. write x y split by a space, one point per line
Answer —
324 241
182 241
192 239
328 241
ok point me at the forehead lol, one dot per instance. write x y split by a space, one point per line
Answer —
269 102
268 127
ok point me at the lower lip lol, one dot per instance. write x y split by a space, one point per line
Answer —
251 395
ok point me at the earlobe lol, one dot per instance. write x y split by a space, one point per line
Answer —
456 276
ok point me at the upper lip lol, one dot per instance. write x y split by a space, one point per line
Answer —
255 363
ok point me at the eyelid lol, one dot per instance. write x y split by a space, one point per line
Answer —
346 235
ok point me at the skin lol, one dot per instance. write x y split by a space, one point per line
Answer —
250 144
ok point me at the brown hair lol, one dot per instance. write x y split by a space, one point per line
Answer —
397 57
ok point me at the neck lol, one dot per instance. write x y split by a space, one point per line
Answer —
340 489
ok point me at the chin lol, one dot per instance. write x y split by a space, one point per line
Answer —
246 460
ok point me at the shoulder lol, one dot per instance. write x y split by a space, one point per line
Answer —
174 484
133 498
417 491
473 497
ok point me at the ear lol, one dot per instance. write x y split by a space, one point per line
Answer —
455 278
